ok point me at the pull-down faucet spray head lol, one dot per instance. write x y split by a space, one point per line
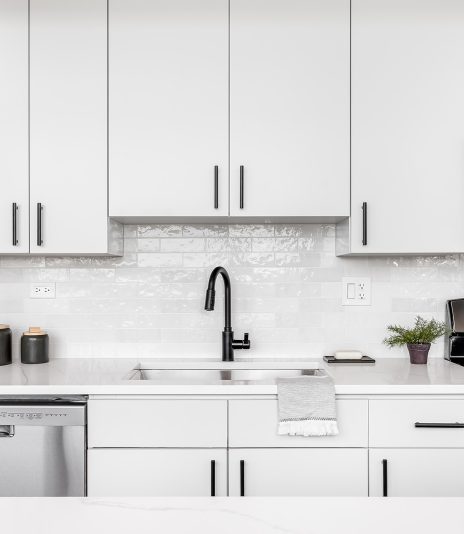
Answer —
210 298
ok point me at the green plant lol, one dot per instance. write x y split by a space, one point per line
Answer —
423 331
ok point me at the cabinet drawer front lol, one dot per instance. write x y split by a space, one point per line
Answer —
416 423
157 472
253 423
416 472
157 423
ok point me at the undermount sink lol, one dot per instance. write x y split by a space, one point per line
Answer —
207 376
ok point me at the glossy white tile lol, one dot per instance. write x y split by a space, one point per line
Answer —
286 292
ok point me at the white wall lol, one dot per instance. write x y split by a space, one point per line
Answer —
286 293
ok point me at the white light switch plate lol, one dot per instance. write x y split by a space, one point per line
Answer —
356 291
43 291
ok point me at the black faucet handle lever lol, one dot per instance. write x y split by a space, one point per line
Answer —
241 343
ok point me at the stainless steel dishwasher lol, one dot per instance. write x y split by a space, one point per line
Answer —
42 446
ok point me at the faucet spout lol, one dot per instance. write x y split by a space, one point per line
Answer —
228 341
211 295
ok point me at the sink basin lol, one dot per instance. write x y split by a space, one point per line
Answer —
208 376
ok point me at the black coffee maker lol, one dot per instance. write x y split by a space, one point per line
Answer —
454 341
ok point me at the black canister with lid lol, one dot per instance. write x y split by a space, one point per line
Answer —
5 344
34 346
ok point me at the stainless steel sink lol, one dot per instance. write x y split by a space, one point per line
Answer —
208 376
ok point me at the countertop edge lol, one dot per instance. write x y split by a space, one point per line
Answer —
130 389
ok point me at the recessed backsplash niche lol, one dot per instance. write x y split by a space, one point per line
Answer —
286 292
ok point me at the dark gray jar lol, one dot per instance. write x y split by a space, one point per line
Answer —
34 346
5 344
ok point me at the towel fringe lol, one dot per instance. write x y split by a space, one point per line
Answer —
308 427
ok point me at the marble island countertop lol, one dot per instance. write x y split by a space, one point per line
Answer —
310 515
112 377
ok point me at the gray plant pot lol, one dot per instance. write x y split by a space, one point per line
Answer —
418 352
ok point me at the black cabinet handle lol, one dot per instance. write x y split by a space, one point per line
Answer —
15 224
242 179
242 478
385 478
364 216
216 187
39 224
439 425
213 478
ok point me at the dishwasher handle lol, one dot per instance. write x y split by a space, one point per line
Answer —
7 431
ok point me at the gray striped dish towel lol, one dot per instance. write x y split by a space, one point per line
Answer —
307 405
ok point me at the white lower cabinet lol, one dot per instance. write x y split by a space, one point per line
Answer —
200 447
298 472
416 472
157 472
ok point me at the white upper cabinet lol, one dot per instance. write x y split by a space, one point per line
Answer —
289 108
14 157
68 127
168 108
407 127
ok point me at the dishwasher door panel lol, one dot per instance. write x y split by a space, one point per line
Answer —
42 461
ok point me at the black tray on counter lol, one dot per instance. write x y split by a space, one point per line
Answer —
364 359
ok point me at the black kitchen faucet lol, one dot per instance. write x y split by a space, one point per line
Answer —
228 341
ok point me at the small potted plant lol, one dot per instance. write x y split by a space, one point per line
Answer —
418 338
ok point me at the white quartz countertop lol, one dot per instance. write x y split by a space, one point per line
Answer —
111 377
232 515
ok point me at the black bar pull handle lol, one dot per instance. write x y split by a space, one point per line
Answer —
15 224
213 478
39 224
242 180
364 215
439 425
216 187
242 478
385 478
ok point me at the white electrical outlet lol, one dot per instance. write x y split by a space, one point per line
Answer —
356 291
43 291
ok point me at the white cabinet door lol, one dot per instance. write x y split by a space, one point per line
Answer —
68 125
289 107
416 472
14 157
168 121
298 472
407 59
157 472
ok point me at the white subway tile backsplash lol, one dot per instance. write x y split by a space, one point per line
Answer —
159 230
286 291
232 244
251 230
193 244
148 259
207 259
201 230
91 274
22 261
